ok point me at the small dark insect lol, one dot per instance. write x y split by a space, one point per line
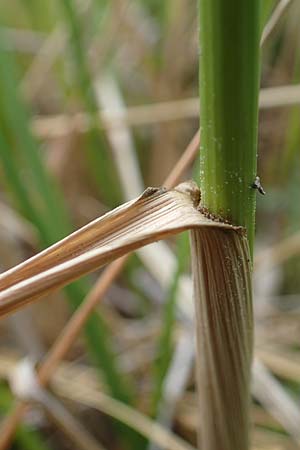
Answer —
257 185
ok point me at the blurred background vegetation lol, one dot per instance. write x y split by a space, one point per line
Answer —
98 99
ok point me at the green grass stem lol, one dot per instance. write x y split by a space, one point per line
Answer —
229 82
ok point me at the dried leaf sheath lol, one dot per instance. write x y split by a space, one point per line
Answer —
155 215
222 290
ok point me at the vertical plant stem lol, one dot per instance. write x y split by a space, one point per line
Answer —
222 290
229 80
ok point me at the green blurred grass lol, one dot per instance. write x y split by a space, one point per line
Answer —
25 438
165 341
38 197
100 162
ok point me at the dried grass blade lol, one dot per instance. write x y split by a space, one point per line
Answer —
155 215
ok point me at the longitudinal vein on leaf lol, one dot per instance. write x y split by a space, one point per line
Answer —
156 214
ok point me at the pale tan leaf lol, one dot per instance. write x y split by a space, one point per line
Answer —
155 215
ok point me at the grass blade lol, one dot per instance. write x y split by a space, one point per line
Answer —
165 344
45 208
155 215
100 161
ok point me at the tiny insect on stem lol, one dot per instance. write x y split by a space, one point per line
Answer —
257 185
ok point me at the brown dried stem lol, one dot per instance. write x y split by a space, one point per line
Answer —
222 274
48 127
